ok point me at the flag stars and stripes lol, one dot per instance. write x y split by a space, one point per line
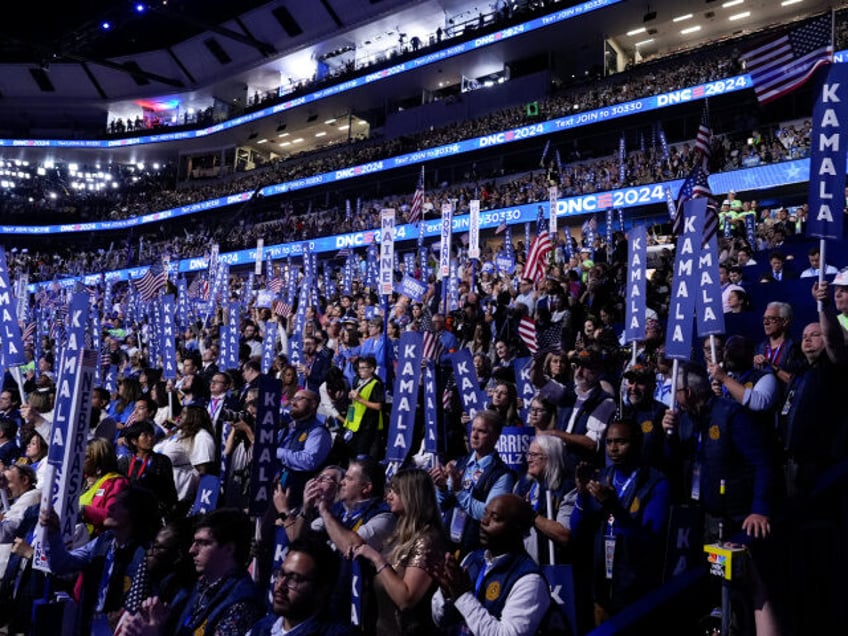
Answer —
783 63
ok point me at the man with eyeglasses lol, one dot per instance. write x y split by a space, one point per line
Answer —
583 413
360 515
224 600
640 406
813 429
304 447
301 598
778 352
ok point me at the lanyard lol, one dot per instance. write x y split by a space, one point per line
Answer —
774 354
620 491
479 582
144 464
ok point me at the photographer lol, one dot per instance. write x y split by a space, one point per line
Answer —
238 454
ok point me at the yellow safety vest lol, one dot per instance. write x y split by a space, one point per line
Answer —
356 411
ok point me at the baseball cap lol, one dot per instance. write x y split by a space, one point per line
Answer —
587 358
640 373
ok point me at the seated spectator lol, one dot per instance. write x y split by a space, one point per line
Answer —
129 525
778 270
301 597
464 597
103 483
815 268
224 600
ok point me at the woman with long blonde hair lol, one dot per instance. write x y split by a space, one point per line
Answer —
416 546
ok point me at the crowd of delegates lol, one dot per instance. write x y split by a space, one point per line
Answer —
752 440
579 177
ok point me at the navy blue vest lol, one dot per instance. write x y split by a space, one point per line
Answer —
480 491
495 586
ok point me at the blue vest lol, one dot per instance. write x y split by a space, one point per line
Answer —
238 589
480 491
295 440
717 444
539 502
340 595
573 456
638 562
494 587
649 418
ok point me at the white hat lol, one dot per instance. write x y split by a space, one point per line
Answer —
841 278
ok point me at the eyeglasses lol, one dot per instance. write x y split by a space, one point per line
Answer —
535 409
772 318
532 455
291 580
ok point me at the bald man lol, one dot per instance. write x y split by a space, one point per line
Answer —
512 593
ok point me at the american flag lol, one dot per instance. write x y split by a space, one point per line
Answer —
501 228
527 333
783 63
447 399
153 280
417 206
195 289
697 184
537 258
275 285
81 288
140 589
28 332
432 348
343 253
282 308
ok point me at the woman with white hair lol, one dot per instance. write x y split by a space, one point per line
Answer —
543 487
